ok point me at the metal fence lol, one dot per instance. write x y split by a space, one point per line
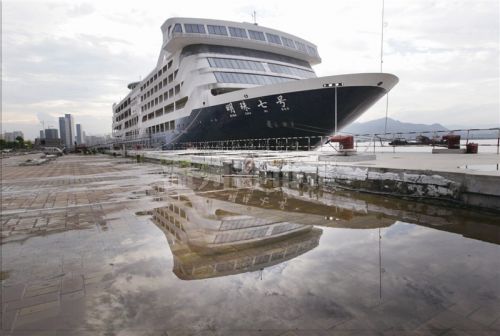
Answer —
488 139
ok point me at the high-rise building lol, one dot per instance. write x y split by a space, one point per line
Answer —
42 134
62 130
51 133
79 135
67 130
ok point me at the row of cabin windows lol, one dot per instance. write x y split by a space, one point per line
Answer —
123 105
179 104
193 28
124 115
131 122
167 126
230 63
164 82
166 95
245 78
132 133
156 75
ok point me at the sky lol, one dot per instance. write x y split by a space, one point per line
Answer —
78 56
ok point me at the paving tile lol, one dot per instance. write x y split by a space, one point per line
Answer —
12 292
34 300
38 308
8 319
72 284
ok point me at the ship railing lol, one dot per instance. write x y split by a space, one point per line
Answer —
487 140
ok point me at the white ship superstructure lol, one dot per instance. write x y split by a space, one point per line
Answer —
221 80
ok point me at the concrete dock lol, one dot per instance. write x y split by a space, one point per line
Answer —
89 247
470 180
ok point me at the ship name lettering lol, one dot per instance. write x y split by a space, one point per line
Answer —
282 101
244 107
263 105
231 110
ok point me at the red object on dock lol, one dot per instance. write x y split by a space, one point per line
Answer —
345 141
471 148
452 140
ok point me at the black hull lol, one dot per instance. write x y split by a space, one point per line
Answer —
308 113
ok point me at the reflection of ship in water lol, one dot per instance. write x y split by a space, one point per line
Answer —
219 226
208 239
298 203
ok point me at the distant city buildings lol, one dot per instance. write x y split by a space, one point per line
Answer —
93 140
80 140
51 133
67 130
11 136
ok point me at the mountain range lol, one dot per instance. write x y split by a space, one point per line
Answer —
377 126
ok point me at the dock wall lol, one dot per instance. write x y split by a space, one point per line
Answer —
459 189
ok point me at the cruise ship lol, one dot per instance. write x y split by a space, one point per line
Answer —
221 80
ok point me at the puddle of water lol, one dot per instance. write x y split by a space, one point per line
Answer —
300 258
224 255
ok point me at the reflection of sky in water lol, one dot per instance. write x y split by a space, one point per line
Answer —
423 271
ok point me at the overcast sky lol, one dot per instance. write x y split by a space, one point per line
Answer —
78 56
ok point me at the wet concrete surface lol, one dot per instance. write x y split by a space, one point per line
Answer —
95 245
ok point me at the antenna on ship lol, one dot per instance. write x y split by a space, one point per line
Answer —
254 17
381 65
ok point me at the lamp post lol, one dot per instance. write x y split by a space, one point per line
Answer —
335 85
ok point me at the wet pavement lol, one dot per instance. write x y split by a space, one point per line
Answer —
95 245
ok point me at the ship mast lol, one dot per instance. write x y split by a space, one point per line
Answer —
381 64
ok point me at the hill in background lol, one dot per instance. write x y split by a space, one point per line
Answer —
377 126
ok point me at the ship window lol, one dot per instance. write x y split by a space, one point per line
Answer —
175 73
162 128
238 32
301 46
256 35
273 38
194 28
172 124
177 88
169 64
151 115
287 42
170 78
244 78
171 93
164 69
169 108
165 96
177 28
181 103
235 64
277 68
311 51
158 113
160 98
217 30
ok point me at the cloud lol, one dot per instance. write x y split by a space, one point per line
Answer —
84 53
81 10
